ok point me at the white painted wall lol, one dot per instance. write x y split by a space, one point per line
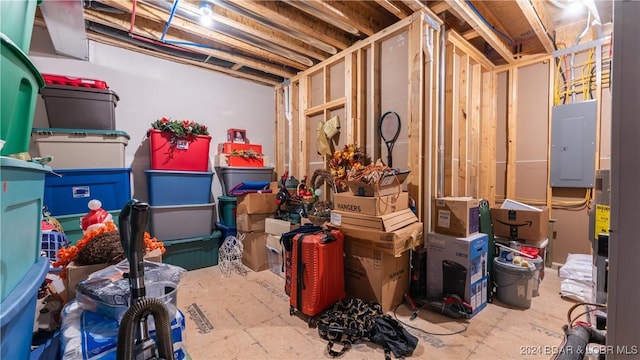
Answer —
150 88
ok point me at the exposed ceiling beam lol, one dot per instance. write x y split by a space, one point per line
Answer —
439 7
471 34
283 14
530 13
161 16
415 5
545 17
392 8
463 10
117 43
340 12
223 16
491 18
258 17
146 27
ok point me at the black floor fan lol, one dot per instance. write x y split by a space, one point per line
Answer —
134 341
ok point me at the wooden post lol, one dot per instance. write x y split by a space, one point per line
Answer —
510 186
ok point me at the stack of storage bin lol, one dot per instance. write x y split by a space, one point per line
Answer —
88 164
23 269
88 154
182 213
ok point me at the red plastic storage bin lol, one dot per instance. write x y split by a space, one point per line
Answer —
246 162
229 147
183 154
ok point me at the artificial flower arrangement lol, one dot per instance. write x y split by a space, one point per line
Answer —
179 128
247 154
349 158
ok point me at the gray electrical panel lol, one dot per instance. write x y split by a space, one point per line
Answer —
573 144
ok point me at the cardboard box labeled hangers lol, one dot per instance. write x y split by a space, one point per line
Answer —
393 243
527 225
456 216
388 222
379 205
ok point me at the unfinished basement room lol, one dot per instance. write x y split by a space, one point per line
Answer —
319 179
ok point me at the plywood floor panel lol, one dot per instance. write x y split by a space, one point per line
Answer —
247 317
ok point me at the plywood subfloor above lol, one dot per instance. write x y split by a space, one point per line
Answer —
247 317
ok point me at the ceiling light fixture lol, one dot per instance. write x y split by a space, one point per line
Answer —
206 13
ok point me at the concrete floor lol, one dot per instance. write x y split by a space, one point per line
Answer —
247 317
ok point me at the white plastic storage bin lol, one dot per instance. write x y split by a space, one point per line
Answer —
181 221
80 148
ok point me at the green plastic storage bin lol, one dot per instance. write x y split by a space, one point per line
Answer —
71 225
16 21
20 218
193 253
227 210
20 83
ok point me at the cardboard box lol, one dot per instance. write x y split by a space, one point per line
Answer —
456 216
388 185
524 225
393 243
455 265
257 203
251 222
379 205
388 222
275 255
254 250
77 273
375 276
278 227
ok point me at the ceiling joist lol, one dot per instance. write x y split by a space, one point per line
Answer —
146 27
159 15
536 24
465 12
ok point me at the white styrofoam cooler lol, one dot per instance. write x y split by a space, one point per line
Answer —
80 148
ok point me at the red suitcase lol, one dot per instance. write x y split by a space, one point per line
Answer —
317 272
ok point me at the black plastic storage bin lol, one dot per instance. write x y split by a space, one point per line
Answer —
80 107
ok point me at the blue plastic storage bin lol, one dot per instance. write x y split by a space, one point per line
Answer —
70 192
18 312
179 187
20 217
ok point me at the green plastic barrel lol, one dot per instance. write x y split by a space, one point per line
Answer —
20 83
227 209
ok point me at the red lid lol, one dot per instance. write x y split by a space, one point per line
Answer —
52 79
531 251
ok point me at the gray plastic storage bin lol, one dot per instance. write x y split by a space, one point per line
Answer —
181 221
79 107
230 177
